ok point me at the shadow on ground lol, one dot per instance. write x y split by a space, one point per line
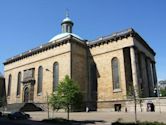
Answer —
57 121
71 122
139 123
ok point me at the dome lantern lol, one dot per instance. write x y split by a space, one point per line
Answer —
67 24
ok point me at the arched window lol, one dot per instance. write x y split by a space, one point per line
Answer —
115 73
40 80
18 83
9 85
55 75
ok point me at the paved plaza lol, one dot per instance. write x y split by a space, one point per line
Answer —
103 117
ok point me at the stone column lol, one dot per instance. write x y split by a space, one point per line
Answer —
145 90
154 74
134 69
150 79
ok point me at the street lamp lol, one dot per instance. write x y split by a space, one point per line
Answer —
157 92
48 70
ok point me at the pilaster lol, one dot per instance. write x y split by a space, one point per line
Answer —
134 69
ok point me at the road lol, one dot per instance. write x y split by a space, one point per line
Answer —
5 121
90 118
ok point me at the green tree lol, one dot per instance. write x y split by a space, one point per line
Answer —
2 103
163 91
66 95
134 93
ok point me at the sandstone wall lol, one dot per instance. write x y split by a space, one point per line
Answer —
79 66
102 56
46 59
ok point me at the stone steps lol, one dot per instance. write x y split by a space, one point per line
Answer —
23 107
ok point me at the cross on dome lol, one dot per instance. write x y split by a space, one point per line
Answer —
67 13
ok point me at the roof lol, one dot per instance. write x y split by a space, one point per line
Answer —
113 36
57 41
64 35
67 20
120 35
63 38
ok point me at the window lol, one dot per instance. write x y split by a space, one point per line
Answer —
55 75
67 28
40 80
9 85
63 28
18 83
115 73
93 77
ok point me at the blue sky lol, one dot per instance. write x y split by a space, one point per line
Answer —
26 24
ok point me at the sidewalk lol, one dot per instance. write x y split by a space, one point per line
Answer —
107 117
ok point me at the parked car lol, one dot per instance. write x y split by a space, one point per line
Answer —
18 115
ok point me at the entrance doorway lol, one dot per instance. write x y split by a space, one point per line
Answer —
26 94
150 107
117 107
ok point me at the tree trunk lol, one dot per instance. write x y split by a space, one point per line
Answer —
48 110
53 113
135 109
68 110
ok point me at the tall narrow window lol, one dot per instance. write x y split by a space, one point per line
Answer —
115 73
18 84
40 80
55 75
93 81
9 85
93 77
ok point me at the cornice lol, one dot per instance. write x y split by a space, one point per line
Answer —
90 44
42 48
119 36
144 43
110 38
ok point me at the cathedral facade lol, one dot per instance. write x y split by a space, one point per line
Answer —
104 68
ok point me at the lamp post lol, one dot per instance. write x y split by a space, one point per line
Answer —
157 92
49 70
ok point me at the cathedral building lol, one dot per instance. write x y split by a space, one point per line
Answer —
104 68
